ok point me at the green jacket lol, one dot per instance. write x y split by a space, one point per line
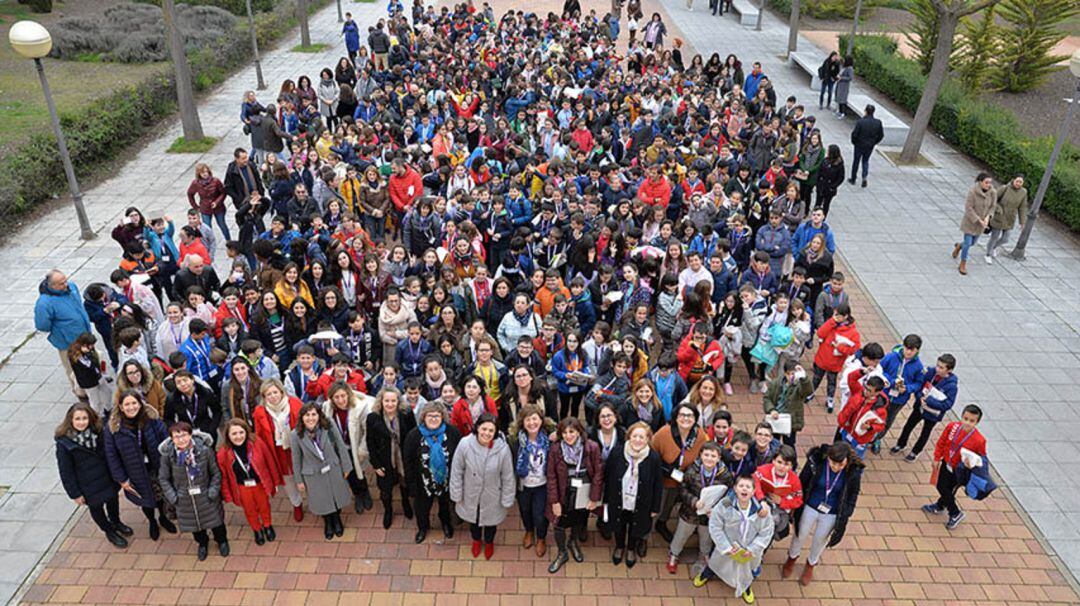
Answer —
1012 203
782 396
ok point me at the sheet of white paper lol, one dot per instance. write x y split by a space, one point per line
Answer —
781 424
581 498
710 496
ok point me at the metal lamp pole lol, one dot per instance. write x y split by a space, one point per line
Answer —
1019 253
73 184
255 47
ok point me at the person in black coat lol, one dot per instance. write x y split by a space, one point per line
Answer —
867 134
84 472
830 176
433 427
132 436
634 484
387 427
198 272
831 481
194 403
242 178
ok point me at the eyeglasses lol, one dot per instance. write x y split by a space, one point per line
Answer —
686 415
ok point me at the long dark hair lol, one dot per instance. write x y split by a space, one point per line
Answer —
323 423
833 154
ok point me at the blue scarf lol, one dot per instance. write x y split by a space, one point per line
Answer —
529 449
436 456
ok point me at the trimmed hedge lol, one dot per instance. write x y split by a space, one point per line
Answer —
33 173
236 7
984 131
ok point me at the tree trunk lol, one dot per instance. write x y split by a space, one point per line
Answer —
854 30
938 70
305 33
760 15
793 28
185 94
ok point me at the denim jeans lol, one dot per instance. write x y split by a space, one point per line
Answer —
862 156
531 504
826 86
220 218
613 25
969 241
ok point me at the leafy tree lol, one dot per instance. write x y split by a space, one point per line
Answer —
974 59
922 34
1026 47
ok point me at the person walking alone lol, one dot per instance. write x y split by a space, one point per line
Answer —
867 134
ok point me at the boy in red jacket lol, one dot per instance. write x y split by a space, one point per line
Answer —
957 436
839 339
775 482
863 417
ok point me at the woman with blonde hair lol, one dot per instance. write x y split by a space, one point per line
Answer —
274 420
707 398
388 424
634 489
349 409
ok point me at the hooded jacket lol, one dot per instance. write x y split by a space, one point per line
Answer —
61 314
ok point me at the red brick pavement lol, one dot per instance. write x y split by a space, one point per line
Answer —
892 553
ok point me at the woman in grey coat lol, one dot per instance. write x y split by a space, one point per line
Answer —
191 480
843 86
328 92
322 462
482 483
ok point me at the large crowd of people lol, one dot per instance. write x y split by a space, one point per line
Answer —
483 263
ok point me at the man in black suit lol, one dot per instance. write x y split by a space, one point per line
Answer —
867 134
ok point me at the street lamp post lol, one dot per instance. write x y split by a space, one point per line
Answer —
31 40
1019 253
255 47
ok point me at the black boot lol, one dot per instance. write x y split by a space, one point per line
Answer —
260 538
339 527
155 530
116 539
166 524
631 555
388 514
122 529
328 528
575 551
203 551
448 530
642 548
406 506
664 531
365 498
223 549
269 533
560 559
617 556
421 534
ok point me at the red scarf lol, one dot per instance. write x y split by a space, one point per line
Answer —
481 291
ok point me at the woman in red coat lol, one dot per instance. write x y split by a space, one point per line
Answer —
839 339
473 403
274 419
249 477
211 198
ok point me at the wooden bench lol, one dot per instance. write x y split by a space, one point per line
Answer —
748 11
896 131
810 61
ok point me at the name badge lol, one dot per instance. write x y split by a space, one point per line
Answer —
250 483
576 483
194 491
145 460
677 474
628 502
824 508
325 469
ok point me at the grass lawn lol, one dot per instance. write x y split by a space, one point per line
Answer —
74 84
316 47
183 146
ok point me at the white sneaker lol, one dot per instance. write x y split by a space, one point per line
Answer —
764 386
989 260
753 386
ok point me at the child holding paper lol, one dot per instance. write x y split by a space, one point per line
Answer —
862 420
706 472
786 394
741 535
935 396
958 436
776 485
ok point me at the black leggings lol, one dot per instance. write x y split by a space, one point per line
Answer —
569 404
153 513
358 484
107 514
728 367
755 370
422 504
485 534
624 530
220 535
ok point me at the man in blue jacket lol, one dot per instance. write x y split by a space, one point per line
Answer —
804 233
935 395
59 311
775 240
902 370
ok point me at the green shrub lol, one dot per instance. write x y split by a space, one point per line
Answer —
32 172
235 7
834 9
985 132
1034 28
135 33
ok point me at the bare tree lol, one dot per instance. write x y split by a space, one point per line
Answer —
185 93
302 16
793 28
950 13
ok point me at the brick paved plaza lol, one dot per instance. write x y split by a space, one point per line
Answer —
892 553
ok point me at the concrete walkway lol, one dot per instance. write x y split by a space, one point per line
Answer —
33 392
1014 327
